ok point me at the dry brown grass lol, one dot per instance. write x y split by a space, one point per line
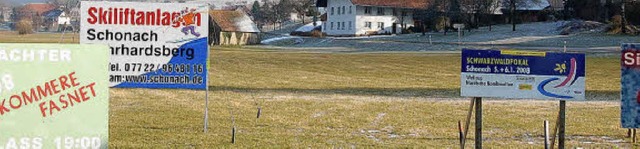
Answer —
314 100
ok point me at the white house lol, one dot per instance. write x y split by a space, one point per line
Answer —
56 19
365 17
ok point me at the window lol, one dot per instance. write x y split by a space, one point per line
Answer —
331 10
381 11
349 25
344 10
381 25
343 28
367 10
395 13
404 13
338 26
331 25
367 25
339 12
349 9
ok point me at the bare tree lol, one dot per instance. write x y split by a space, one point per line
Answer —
491 6
513 5
282 11
302 7
476 9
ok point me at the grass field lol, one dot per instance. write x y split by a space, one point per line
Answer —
351 100
324 100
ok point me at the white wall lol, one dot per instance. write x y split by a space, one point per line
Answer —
387 19
355 21
341 18
64 19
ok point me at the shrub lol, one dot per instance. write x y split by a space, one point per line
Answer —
24 27
442 23
317 33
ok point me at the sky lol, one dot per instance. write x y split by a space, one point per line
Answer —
20 2
216 2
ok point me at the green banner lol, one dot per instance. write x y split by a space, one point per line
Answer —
54 96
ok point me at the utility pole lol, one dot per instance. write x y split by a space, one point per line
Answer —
565 10
624 17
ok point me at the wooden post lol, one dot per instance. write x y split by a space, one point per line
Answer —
468 122
478 122
233 135
555 132
634 136
546 134
461 134
628 133
561 124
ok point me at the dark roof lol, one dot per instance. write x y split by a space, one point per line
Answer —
233 21
414 4
53 13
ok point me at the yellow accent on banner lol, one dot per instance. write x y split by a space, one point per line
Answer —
522 53
525 87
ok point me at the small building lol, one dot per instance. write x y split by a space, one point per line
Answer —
365 17
527 10
33 10
57 20
232 28
5 14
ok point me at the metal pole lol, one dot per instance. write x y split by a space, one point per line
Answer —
546 134
206 107
565 47
478 122
206 95
459 35
561 121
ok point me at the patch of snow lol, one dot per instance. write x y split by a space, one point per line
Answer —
516 40
364 37
309 27
267 41
374 131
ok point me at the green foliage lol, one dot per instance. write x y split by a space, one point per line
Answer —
255 10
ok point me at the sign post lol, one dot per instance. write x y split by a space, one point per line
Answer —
478 122
152 45
54 96
459 27
521 74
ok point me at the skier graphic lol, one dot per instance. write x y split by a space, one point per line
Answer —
188 19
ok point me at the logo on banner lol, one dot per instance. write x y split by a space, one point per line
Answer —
188 20
565 85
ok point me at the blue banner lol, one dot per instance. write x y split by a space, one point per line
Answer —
630 86
538 63
522 74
